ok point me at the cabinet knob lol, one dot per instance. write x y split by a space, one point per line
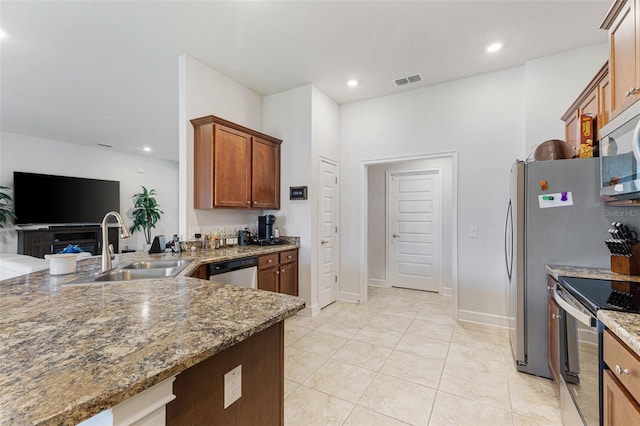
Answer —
248 202
289 257
621 370
278 272
631 91
255 203
269 260
554 316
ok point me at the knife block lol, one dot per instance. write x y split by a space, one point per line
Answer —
628 265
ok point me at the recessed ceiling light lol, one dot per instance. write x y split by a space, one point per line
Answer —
494 47
352 83
147 149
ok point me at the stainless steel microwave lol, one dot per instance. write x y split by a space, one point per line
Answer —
620 157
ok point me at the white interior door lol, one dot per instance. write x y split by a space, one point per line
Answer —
414 226
328 234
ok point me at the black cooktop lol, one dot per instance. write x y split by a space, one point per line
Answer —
266 241
604 294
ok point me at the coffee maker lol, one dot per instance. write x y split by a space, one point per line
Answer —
266 228
266 225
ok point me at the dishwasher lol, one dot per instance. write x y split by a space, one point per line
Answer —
241 272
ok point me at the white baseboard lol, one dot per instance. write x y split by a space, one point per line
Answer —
483 318
348 296
310 311
447 292
375 282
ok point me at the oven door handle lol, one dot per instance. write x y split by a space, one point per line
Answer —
586 319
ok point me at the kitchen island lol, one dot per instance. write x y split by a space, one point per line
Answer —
69 352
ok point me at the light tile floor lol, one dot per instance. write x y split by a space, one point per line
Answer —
400 359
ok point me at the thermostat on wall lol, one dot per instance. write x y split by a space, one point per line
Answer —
297 192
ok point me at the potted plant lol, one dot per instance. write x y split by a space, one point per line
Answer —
6 211
145 213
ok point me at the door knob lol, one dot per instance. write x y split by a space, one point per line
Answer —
621 370
323 242
396 235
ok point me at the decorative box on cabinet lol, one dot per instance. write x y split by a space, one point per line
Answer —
278 272
623 25
234 166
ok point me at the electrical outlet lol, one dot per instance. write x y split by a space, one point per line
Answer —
232 386
473 231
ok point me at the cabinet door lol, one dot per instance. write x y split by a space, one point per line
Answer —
605 103
232 168
289 278
554 340
571 133
265 174
268 279
624 58
619 407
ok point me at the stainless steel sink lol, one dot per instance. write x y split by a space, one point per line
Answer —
155 264
136 274
152 269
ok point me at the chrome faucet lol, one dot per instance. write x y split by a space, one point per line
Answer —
107 249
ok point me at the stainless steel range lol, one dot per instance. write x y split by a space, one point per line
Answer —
581 341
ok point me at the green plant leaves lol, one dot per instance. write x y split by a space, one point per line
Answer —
145 213
6 210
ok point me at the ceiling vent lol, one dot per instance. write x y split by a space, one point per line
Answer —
407 80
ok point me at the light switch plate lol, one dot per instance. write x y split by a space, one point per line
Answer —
232 386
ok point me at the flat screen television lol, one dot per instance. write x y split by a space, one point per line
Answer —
50 199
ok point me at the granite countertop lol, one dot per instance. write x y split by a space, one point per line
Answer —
69 352
623 324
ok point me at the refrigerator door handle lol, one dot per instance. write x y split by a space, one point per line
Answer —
508 248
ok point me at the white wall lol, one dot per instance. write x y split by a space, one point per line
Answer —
552 84
307 121
489 120
37 155
287 115
482 118
204 91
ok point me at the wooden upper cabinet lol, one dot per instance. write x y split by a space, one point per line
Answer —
265 174
595 99
623 25
234 167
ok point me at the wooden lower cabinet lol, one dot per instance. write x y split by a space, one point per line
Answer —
620 382
199 390
553 310
619 407
278 272
202 272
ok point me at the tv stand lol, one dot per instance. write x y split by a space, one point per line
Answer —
53 239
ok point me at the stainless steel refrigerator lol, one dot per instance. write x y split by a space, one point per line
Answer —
541 231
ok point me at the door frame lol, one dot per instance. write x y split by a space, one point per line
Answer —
364 243
388 174
336 253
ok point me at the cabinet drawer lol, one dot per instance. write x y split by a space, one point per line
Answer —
288 256
624 364
268 261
